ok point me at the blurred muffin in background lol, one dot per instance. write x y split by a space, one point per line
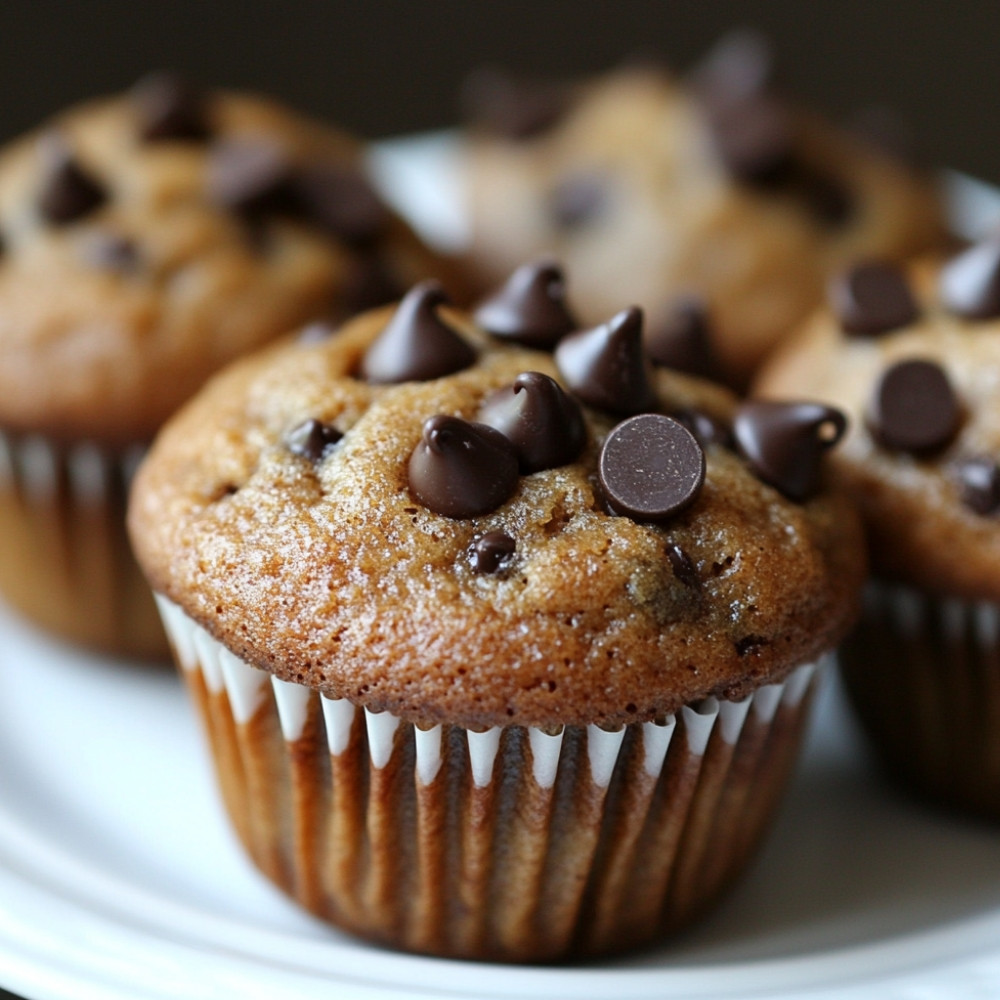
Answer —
147 239
711 193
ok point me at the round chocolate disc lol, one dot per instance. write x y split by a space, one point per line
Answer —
914 407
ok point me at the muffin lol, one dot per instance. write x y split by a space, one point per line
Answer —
147 239
501 653
712 194
914 357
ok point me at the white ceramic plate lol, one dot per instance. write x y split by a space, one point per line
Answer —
119 877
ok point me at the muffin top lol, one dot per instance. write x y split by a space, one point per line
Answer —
913 356
651 189
147 239
447 524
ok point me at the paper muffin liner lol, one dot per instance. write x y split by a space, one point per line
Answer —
65 560
514 843
923 673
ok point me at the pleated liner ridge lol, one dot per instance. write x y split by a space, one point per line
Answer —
512 844
66 561
923 673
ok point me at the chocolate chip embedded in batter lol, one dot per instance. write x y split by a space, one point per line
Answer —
543 423
250 176
825 197
311 439
651 467
914 408
170 108
607 366
754 141
67 191
785 442
970 283
683 567
530 308
683 339
416 344
462 469
338 199
978 481
492 553
872 298
515 109
578 199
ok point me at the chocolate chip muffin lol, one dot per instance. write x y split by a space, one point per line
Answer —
502 653
147 239
710 194
914 357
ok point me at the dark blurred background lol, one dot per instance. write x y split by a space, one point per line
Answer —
388 66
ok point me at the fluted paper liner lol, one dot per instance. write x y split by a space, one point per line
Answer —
923 673
514 843
65 561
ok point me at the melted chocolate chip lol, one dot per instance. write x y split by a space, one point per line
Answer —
416 344
682 340
705 428
979 484
543 423
578 199
67 192
311 439
338 199
492 553
785 442
683 567
462 469
970 283
514 109
170 108
529 308
250 176
607 366
651 467
754 141
914 408
112 252
872 298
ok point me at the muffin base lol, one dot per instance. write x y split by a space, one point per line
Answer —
65 560
513 844
923 674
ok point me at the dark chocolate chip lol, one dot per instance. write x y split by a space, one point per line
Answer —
979 484
607 366
824 196
514 109
251 176
754 142
578 199
872 298
785 442
970 283
739 67
683 340
416 344
705 428
651 467
543 423
750 645
462 469
914 408
170 108
530 308
338 199
67 192
683 567
311 439
492 553
112 252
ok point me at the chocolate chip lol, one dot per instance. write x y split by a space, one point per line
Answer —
682 340
543 423
705 428
492 553
170 108
754 141
750 645
416 344
338 199
607 366
112 252
872 298
824 196
739 67
315 333
683 567
651 467
785 442
979 484
67 192
462 469
529 308
970 283
311 439
514 109
914 408
578 199
250 176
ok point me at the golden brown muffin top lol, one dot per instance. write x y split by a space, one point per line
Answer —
920 379
649 189
148 239
319 553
